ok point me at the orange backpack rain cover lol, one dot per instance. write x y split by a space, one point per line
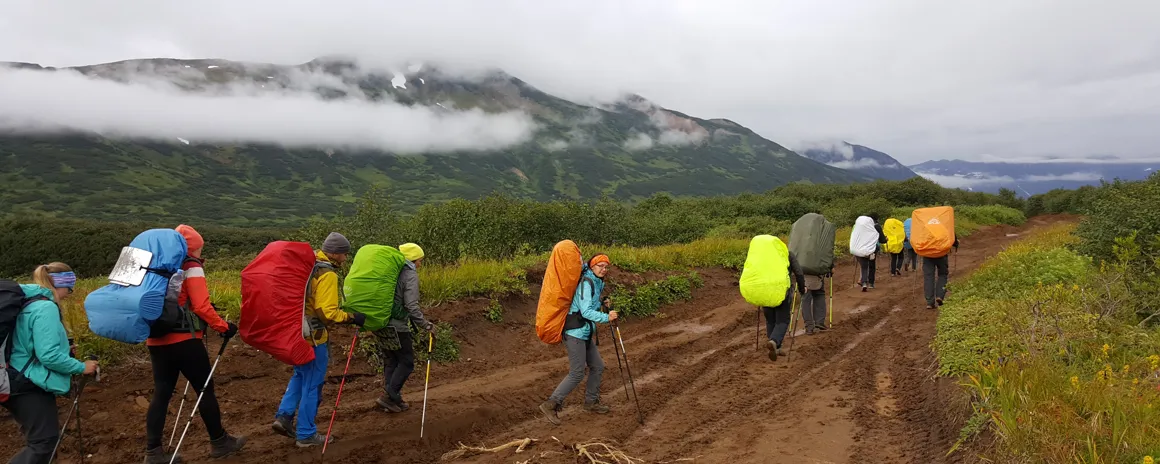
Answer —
932 231
560 282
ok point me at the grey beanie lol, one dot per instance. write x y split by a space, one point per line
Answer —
336 243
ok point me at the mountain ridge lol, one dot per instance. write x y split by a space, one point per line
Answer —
859 158
628 150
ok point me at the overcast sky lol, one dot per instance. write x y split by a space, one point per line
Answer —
914 78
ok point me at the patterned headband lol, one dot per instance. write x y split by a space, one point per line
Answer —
63 279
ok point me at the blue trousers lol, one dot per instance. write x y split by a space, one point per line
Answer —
304 393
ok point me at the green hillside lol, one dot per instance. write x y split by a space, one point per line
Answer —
578 152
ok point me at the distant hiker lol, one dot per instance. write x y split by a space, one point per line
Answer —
767 281
895 233
909 257
581 340
181 350
933 236
811 242
39 367
304 392
864 243
396 343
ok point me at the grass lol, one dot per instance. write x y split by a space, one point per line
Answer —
1054 356
646 300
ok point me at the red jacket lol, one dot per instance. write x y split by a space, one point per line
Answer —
196 293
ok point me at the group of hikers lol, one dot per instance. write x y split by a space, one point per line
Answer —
291 296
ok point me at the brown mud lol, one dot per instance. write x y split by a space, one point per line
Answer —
864 391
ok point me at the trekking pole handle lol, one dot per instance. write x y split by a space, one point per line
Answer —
430 343
223 348
97 376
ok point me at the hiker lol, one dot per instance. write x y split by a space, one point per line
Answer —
581 340
895 233
909 257
811 241
865 241
304 392
40 368
396 343
181 350
777 318
935 287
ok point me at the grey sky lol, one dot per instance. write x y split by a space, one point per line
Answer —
913 78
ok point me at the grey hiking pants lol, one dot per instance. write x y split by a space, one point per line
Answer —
814 308
934 287
581 354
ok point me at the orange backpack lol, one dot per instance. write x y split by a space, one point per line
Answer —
565 267
932 231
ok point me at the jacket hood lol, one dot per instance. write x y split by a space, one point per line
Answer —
33 290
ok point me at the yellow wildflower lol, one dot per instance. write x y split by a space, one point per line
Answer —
1149 460
1124 371
1075 287
1074 381
1106 348
1136 381
1155 360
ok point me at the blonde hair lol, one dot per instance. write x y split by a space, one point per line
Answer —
40 275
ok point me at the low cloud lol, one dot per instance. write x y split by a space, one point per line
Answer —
1075 177
245 111
556 145
863 163
967 182
639 141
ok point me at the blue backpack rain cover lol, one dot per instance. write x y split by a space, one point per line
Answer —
906 228
125 312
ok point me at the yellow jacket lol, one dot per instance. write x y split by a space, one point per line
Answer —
323 304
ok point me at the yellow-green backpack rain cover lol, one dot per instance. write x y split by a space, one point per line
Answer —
895 234
765 278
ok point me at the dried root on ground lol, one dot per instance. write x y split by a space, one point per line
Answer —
603 453
465 450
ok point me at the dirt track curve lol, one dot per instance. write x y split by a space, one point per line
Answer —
861 392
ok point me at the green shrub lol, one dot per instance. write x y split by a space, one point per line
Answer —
1120 209
494 311
647 299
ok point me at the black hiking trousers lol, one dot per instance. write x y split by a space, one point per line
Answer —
35 411
777 318
896 260
398 365
190 359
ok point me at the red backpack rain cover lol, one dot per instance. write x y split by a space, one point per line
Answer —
274 299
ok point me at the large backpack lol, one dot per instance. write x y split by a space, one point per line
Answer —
812 242
274 289
565 268
12 302
370 284
765 278
932 231
895 235
147 272
864 237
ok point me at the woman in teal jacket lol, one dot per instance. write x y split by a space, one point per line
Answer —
581 341
40 353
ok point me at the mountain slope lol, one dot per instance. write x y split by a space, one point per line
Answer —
1028 179
627 150
860 159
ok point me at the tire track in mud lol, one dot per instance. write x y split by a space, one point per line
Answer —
863 391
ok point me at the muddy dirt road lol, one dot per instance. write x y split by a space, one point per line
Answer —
862 392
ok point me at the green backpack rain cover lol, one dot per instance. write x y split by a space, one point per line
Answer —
812 242
369 287
765 278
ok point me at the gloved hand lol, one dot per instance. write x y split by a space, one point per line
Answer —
231 330
215 308
606 303
430 326
358 318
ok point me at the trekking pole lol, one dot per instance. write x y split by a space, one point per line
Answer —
830 313
197 403
341 384
627 367
619 364
427 381
792 328
75 408
177 417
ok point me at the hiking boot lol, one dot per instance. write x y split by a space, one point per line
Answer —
929 306
596 407
938 301
864 287
821 328
159 456
283 426
871 285
390 405
773 350
226 445
549 408
316 440
809 330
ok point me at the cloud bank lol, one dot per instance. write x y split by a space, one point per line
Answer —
45 102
